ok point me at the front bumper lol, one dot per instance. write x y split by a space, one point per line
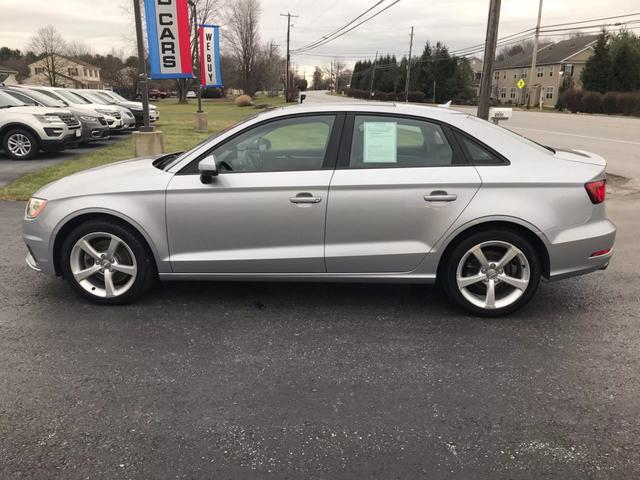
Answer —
93 131
57 144
571 251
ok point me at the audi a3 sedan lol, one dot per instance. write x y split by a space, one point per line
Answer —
359 193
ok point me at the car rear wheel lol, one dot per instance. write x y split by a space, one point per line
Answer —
106 263
492 273
20 144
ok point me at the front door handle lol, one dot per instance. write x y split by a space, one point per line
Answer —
305 198
440 196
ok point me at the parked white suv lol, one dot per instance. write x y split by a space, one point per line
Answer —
128 120
25 130
135 107
111 114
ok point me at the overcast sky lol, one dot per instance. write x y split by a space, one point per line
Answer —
107 24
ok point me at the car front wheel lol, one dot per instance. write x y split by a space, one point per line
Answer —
492 273
20 144
106 262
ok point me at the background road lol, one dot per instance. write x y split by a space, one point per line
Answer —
616 138
245 380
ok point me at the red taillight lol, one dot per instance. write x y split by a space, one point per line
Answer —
596 190
600 253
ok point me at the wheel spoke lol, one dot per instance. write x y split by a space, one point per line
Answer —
109 288
87 272
113 246
126 269
86 247
464 282
514 282
490 299
479 254
507 257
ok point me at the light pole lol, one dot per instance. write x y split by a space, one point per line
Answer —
142 70
196 74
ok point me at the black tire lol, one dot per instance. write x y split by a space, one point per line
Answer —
449 269
146 269
34 148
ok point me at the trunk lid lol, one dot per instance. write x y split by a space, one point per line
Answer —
580 156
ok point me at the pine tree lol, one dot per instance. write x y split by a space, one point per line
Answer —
625 62
597 71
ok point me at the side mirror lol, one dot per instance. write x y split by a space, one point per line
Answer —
207 168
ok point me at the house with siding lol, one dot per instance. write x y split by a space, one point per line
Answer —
8 75
70 72
558 64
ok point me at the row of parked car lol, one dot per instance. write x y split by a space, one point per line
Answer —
35 118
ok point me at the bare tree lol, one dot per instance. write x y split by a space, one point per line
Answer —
49 46
335 70
78 49
270 67
241 35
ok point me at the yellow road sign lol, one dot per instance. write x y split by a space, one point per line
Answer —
521 83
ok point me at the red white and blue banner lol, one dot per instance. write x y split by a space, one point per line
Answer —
210 75
169 38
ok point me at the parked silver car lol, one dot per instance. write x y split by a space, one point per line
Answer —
365 192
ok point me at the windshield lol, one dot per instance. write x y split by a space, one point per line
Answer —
118 96
93 98
45 100
7 101
105 96
72 97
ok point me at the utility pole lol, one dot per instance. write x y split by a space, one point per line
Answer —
373 76
142 70
534 57
489 55
286 81
406 86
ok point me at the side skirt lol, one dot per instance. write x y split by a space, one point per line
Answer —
304 277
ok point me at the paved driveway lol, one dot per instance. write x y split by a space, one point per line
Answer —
286 380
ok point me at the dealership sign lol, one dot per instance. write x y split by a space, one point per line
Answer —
169 38
210 56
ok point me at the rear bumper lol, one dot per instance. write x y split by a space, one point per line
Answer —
571 251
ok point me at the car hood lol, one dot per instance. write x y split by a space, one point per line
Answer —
135 175
33 110
580 156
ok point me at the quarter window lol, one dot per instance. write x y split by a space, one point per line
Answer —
290 144
478 154
394 142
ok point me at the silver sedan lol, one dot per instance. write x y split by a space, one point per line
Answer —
361 193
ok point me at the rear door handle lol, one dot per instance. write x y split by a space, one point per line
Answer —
440 196
305 198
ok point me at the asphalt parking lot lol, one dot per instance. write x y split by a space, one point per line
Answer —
10 169
249 380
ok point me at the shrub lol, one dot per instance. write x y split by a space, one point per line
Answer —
592 102
573 100
610 103
416 97
243 101
211 93
628 102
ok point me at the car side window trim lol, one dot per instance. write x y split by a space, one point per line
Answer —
459 135
330 156
344 156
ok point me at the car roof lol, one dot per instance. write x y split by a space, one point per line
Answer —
442 113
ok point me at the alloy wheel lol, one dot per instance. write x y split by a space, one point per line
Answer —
103 264
19 145
493 274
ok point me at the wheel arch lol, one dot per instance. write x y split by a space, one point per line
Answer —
514 225
67 225
12 126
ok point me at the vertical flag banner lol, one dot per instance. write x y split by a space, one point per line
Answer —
169 38
210 75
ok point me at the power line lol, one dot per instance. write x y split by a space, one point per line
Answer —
311 45
324 42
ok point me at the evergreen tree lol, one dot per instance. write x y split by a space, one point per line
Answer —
596 73
625 62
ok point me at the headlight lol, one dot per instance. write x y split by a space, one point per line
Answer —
48 118
89 118
105 112
35 207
